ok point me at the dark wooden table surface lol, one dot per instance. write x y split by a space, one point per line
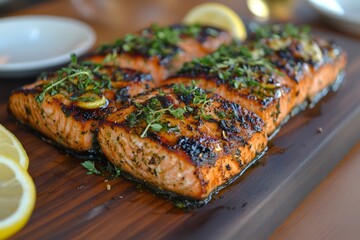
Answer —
71 204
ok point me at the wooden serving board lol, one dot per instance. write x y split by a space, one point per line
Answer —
72 204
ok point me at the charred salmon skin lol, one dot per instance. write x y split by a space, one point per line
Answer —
65 106
203 125
276 70
161 51
182 139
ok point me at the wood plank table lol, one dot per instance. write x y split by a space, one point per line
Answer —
73 205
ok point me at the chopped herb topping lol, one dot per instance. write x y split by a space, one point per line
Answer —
198 96
279 31
152 111
220 114
77 79
90 166
272 39
235 64
155 41
107 169
255 66
288 47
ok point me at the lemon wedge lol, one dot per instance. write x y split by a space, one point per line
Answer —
217 15
17 197
11 148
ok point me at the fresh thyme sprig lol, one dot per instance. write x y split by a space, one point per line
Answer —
156 40
282 31
198 95
90 167
53 86
238 66
153 110
106 168
76 79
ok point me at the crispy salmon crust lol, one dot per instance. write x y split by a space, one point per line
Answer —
161 51
61 120
202 126
193 154
268 77
290 94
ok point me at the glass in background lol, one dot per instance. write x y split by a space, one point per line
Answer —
264 10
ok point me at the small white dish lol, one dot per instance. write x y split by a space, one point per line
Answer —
31 44
342 14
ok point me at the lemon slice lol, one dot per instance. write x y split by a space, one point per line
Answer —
217 15
94 101
11 148
17 197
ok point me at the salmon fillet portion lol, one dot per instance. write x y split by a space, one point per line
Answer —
59 105
269 75
161 51
311 63
182 139
197 109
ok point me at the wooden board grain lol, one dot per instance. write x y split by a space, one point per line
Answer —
72 204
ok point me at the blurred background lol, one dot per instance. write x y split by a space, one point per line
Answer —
117 17
122 16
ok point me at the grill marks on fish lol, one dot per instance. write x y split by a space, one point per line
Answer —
269 76
203 125
60 119
202 154
161 51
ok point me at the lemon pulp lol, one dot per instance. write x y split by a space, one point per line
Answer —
17 197
11 148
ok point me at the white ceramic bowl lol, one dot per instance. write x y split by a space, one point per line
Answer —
342 14
31 44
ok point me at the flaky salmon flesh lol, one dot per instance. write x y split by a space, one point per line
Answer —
183 140
270 76
161 51
58 115
196 111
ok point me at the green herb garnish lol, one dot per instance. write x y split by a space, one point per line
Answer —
107 169
152 112
279 31
113 170
236 65
199 97
76 79
220 114
90 166
155 41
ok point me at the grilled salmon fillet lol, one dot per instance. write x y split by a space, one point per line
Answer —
182 139
66 106
203 125
161 50
276 70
